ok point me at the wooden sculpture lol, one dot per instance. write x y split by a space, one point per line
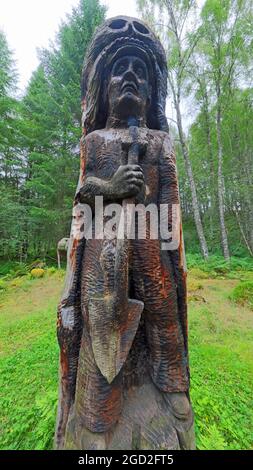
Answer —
122 320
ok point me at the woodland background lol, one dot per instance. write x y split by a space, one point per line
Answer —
210 112
209 54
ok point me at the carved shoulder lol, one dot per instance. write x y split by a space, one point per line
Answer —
94 138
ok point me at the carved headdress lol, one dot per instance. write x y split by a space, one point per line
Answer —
117 37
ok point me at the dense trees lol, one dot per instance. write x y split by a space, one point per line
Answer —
210 60
39 167
210 78
11 156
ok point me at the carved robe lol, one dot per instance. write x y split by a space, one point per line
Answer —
157 278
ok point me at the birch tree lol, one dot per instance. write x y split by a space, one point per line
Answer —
225 28
177 21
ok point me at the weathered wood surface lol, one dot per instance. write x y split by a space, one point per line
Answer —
146 422
124 372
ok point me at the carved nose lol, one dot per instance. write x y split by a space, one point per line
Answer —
130 75
130 28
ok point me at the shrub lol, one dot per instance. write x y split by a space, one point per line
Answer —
37 264
37 273
243 293
197 273
216 266
12 269
2 284
51 270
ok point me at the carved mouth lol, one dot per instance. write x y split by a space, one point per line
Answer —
129 87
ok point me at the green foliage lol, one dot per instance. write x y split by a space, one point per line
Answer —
221 397
29 364
51 270
7 77
39 135
28 380
220 344
11 206
2 284
38 263
209 52
237 167
39 140
52 105
216 266
13 268
243 293
213 440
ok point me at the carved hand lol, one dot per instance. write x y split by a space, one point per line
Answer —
127 181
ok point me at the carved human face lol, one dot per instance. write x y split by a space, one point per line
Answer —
128 88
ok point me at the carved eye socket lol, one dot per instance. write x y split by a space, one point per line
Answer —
140 28
120 68
140 72
117 24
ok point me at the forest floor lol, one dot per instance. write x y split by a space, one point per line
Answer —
221 359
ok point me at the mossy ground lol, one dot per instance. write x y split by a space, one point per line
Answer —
221 357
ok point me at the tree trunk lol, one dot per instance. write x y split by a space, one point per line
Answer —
195 205
242 233
224 239
176 98
211 208
249 199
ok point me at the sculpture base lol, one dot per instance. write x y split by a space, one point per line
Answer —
146 422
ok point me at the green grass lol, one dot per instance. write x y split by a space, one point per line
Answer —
29 364
221 357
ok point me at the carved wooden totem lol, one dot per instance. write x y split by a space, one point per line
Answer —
122 320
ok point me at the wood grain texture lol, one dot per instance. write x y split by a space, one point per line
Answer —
146 422
122 319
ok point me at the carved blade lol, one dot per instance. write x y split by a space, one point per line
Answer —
112 332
